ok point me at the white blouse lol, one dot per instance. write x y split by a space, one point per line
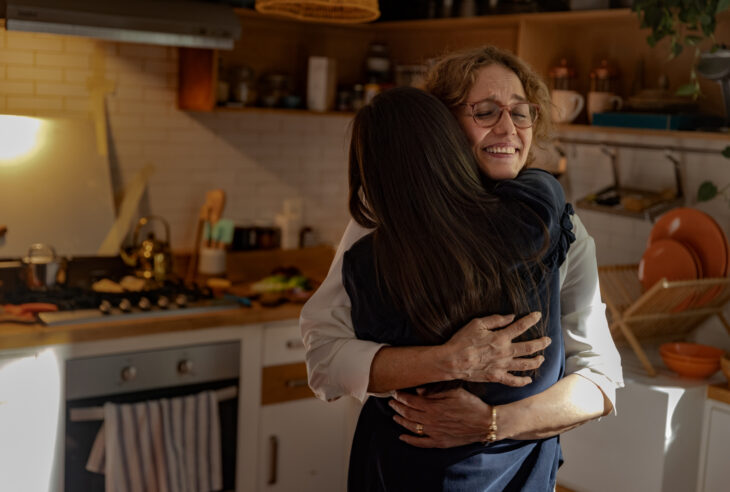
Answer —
338 363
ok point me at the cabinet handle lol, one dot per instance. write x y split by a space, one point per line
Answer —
295 343
296 383
273 459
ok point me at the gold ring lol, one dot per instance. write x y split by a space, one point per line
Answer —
419 429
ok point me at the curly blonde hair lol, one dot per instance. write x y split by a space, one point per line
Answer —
453 75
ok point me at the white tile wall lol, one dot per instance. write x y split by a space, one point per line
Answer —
259 159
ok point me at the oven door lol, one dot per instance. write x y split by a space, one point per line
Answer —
142 376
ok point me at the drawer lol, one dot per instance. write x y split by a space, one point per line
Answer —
282 344
284 382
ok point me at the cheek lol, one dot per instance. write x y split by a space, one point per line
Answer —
473 133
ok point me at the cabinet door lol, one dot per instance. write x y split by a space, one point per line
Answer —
304 446
715 472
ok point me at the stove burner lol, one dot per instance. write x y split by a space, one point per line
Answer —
78 304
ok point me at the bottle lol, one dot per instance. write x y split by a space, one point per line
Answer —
377 63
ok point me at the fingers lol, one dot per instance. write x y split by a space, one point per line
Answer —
496 321
521 349
528 364
515 381
406 411
522 325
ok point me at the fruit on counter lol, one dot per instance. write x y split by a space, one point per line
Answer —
283 280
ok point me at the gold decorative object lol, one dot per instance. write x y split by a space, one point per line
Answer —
334 11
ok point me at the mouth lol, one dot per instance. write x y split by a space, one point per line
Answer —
501 150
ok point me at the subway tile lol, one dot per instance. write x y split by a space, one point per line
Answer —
161 67
35 43
34 73
34 103
77 104
63 60
3 72
76 75
55 89
10 57
78 44
13 88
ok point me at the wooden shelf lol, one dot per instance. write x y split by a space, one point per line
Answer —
291 111
667 311
270 44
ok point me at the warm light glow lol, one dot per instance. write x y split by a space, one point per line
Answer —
30 399
19 137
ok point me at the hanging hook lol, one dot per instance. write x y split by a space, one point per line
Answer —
670 155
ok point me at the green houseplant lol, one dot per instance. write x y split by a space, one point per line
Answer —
686 23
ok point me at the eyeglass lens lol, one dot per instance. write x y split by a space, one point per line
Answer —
487 114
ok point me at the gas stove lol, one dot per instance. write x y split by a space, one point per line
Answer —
79 305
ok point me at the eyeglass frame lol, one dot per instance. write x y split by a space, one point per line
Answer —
502 107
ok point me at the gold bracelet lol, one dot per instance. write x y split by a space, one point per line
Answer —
492 432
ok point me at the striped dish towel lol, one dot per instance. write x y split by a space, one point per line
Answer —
166 445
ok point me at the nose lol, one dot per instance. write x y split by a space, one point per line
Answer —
504 125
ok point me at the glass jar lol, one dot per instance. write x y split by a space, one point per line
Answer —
562 76
273 88
605 78
377 63
243 89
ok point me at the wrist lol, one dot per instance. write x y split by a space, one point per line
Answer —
446 363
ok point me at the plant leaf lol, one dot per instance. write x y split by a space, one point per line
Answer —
722 5
686 90
693 40
706 191
726 152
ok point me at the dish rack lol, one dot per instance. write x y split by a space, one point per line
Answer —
636 315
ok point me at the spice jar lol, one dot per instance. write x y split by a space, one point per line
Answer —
377 63
562 76
605 78
242 85
273 88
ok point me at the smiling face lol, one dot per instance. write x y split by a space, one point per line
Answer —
503 149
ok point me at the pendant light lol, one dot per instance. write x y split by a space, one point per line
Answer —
333 11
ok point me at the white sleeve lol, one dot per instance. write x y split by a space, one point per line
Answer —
589 349
338 363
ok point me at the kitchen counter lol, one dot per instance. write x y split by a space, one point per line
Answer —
14 335
719 392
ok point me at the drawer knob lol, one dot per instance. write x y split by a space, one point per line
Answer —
129 373
185 367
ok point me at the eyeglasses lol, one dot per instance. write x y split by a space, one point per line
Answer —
487 113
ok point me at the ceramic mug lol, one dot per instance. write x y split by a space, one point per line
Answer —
212 261
600 102
567 105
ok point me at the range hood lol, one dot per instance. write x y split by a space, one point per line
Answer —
165 22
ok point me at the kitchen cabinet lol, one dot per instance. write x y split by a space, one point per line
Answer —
714 473
278 45
652 444
304 442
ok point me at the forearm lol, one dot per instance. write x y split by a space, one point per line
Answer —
567 404
395 368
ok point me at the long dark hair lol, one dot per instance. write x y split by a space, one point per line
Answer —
444 244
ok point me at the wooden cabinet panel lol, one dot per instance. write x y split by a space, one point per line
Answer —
714 470
284 382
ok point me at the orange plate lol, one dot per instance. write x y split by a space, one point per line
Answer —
670 259
699 231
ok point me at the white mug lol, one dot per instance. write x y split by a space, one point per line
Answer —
600 102
567 105
212 261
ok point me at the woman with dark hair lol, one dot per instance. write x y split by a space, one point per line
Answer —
477 86
448 245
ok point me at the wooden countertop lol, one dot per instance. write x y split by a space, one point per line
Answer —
14 335
719 392
242 267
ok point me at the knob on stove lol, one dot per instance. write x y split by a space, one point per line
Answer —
144 304
163 302
125 305
129 373
181 300
105 307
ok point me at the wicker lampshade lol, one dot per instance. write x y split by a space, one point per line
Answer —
335 11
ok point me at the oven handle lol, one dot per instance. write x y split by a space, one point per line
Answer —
273 459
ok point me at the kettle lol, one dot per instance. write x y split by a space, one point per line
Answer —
152 258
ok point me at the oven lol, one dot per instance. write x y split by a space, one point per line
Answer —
142 376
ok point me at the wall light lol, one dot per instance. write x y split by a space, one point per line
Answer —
19 137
